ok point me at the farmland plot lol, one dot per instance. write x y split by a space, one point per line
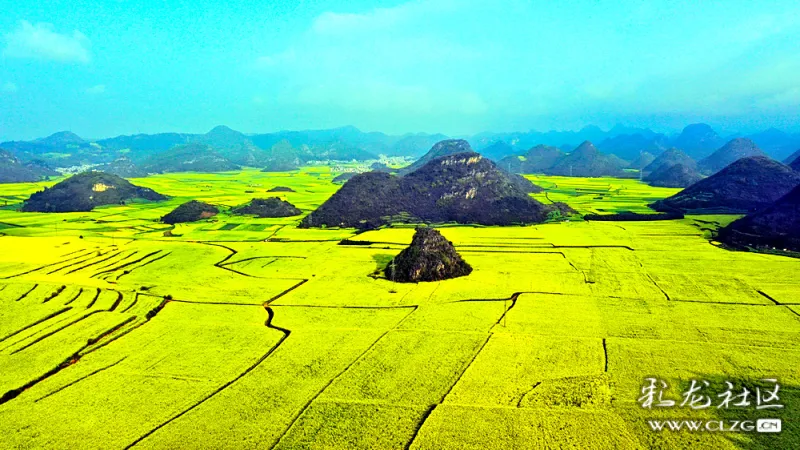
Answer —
238 332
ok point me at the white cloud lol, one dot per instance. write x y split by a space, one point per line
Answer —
40 41
9 87
379 19
383 44
96 89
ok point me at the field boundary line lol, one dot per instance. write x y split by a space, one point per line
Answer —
89 257
452 386
80 292
268 324
45 266
44 319
113 255
276 297
21 297
72 359
128 272
525 394
333 380
114 269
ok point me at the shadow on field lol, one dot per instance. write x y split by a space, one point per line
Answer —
381 261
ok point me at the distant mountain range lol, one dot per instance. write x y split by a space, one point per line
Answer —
583 161
12 170
696 140
291 148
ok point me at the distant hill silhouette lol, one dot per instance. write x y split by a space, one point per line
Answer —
538 159
430 257
341 151
628 146
60 149
734 149
61 139
279 166
234 146
125 168
222 136
776 143
443 148
675 176
795 165
793 160
745 186
12 170
671 157
587 161
777 226
189 158
347 142
498 150
462 187
282 156
698 140
85 191
641 161
414 145
267 207
66 149
191 211
145 144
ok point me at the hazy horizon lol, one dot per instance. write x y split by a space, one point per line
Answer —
436 66
669 133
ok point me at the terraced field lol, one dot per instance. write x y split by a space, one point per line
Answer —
251 333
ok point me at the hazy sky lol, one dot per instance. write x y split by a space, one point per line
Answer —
102 68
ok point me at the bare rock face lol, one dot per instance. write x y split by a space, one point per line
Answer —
430 257
462 188
440 149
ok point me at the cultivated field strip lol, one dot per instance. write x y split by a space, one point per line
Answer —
166 342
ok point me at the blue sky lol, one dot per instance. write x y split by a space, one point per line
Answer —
102 68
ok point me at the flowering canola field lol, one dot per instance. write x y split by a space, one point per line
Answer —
240 332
